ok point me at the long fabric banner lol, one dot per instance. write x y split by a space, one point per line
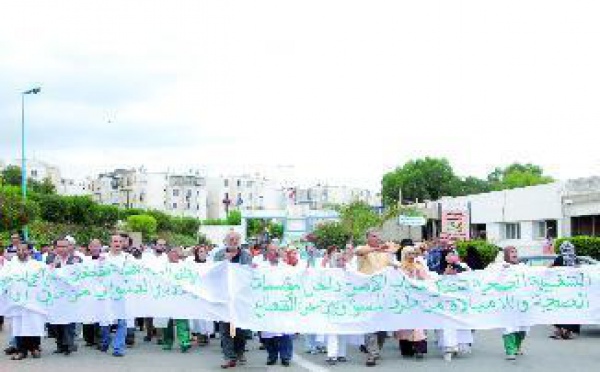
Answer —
285 299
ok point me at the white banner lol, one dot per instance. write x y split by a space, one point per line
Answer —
302 300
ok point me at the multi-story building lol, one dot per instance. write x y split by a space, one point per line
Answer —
321 196
244 192
70 186
179 194
40 170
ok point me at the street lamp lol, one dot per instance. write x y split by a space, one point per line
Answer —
35 90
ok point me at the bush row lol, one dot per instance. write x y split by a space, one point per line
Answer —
584 245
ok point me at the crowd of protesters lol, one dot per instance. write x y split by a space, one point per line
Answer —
417 261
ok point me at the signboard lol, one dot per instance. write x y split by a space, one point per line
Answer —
455 224
411 220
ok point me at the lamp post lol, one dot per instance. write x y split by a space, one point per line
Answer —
35 90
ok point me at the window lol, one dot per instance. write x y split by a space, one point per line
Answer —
544 229
512 231
188 205
226 183
176 192
34 173
174 205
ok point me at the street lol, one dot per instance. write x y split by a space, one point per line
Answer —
541 354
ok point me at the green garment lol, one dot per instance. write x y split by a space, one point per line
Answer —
183 333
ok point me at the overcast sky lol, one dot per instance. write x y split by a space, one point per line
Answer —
344 90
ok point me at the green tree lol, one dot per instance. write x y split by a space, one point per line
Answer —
473 185
357 217
14 214
11 175
518 175
143 223
423 179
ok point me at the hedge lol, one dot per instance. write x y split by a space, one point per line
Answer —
487 251
584 245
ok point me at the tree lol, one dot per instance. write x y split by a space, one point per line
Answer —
473 185
142 223
357 217
423 179
11 175
517 175
14 214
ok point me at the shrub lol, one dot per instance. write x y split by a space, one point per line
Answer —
163 220
487 251
44 233
331 233
144 224
584 245
14 214
185 225
234 218
174 240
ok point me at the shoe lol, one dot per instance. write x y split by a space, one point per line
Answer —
10 350
262 347
342 359
67 353
448 357
58 351
419 356
271 362
331 361
18 356
36 354
511 357
118 355
185 348
104 349
147 339
228 364
167 347
241 359
285 363
159 342
363 349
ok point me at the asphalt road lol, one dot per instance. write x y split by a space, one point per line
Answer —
541 354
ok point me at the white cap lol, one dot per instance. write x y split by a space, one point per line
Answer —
70 239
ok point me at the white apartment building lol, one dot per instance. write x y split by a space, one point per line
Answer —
320 196
242 192
40 170
68 186
176 193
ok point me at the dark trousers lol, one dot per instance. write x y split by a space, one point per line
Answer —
410 348
91 333
280 346
149 324
28 343
65 337
232 347
130 338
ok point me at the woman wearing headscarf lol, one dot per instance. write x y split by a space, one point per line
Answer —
453 341
513 337
566 258
412 342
